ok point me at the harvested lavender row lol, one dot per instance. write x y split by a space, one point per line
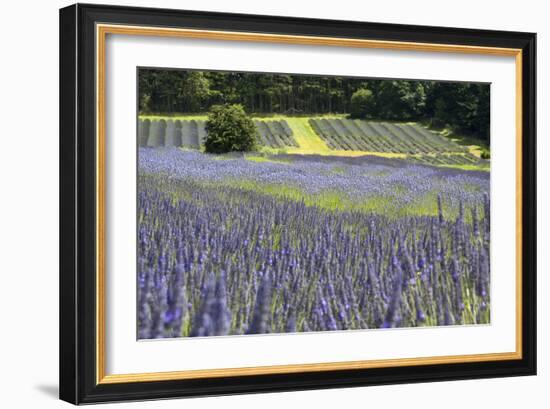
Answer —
217 257
348 134
191 134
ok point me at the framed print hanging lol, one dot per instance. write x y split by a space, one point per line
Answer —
258 203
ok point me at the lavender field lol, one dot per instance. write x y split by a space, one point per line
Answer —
235 244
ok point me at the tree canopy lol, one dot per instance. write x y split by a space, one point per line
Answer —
464 107
362 103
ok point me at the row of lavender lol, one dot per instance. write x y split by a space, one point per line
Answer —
275 133
362 180
171 133
192 133
375 136
218 260
448 159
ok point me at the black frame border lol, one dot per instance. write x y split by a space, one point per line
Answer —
78 198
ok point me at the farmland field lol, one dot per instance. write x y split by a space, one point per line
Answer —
326 136
232 245
271 203
191 133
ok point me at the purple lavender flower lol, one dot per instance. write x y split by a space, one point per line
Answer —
217 255
259 324
395 300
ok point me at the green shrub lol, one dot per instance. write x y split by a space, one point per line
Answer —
362 103
229 129
485 154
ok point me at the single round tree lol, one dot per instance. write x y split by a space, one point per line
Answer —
229 130
362 103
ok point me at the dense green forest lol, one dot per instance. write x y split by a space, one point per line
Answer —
463 107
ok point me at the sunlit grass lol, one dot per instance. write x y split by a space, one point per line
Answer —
329 200
481 167
258 158
334 200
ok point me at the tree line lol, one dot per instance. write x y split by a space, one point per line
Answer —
463 107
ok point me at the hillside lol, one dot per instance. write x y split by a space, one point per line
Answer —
335 136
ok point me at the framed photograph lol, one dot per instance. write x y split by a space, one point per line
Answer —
258 203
